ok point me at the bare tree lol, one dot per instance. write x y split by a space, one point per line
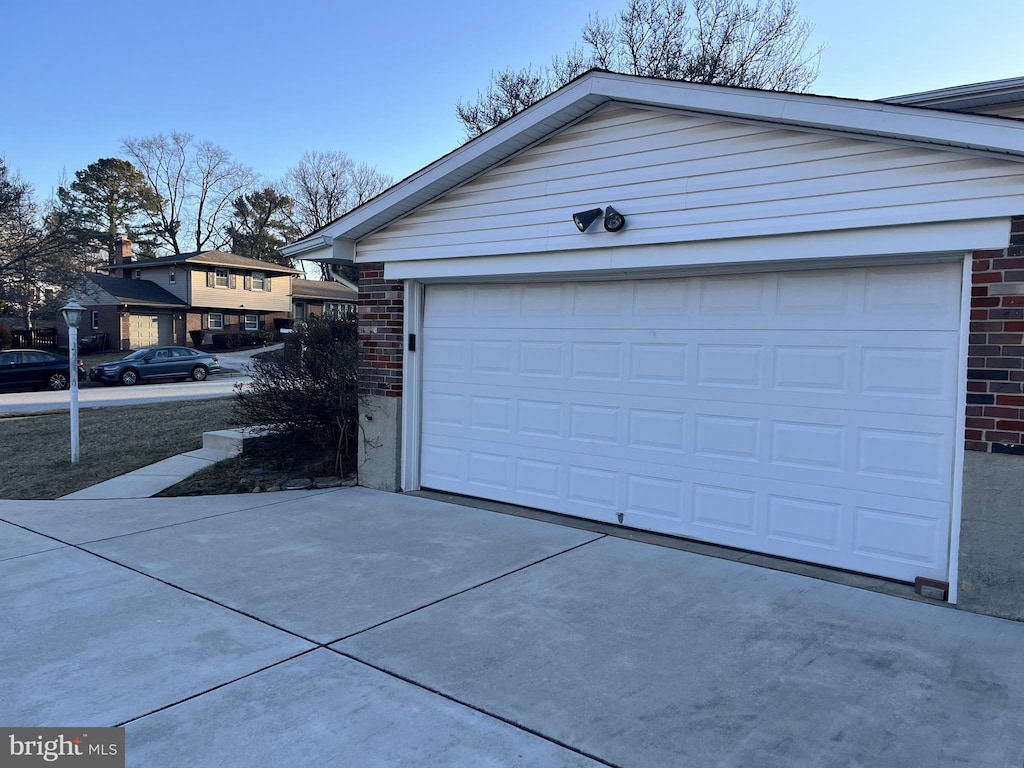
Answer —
196 183
326 185
39 259
510 91
367 183
750 43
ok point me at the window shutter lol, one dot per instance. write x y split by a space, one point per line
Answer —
247 282
209 278
266 283
231 281
206 318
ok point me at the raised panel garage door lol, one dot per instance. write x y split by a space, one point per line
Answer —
810 415
149 330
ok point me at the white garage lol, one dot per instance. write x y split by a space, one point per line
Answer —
771 354
810 414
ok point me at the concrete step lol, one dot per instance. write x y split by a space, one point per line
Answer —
231 441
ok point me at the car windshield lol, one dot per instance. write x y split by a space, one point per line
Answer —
139 353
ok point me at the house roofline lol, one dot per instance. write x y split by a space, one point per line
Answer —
593 89
208 258
971 95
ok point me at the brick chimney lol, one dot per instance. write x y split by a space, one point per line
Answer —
121 256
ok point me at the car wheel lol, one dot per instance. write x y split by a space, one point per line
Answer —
57 381
129 376
199 373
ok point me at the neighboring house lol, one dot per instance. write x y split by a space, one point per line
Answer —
132 313
159 301
996 97
330 298
806 341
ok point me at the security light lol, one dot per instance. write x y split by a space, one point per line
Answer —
584 219
613 220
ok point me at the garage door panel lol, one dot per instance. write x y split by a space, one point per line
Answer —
901 372
149 330
900 537
805 414
909 298
903 454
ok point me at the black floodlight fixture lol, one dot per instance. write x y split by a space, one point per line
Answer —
584 219
613 220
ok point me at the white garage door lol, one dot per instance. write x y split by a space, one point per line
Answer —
149 330
805 414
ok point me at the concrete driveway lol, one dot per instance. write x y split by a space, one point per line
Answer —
352 627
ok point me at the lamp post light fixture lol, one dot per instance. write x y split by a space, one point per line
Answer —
72 313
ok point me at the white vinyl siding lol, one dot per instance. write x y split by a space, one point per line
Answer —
206 296
688 178
805 414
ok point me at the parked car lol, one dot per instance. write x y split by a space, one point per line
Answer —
149 363
35 368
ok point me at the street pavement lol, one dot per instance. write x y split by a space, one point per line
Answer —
355 627
238 365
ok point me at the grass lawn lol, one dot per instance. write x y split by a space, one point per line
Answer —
113 440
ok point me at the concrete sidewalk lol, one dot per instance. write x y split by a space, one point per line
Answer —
353 627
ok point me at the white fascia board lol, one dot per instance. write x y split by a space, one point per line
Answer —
978 132
811 248
582 96
470 160
307 248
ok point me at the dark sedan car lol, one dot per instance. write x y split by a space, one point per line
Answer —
34 369
157 363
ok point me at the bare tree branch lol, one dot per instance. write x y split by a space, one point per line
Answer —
196 183
750 43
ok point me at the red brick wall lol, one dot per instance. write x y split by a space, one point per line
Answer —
381 332
995 353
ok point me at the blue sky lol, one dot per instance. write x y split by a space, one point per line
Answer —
269 81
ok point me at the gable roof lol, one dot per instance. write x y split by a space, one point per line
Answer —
128 291
327 290
973 97
213 259
998 136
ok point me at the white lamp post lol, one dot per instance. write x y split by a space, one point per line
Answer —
72 312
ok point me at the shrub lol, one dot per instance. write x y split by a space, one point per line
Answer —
306 393
242 339
197 337
6 339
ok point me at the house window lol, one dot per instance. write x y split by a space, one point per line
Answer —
95 320
259 281
138 274
216 321
170 274
220 278
252 322
332 309
300 311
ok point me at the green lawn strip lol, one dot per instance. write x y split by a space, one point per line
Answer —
36 450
